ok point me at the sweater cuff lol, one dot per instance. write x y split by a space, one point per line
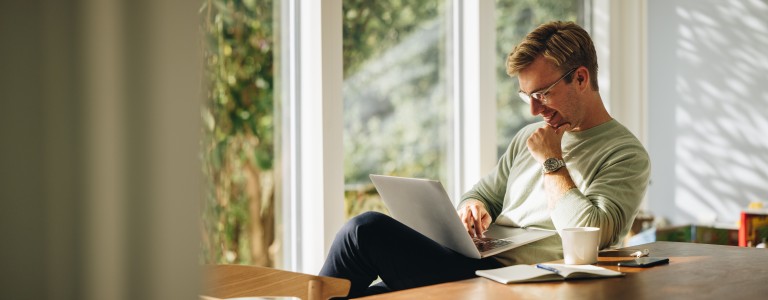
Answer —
462 202
472 198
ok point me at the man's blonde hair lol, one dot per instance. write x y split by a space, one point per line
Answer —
565 44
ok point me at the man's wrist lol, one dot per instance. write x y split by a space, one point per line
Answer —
561 172
563 178
465 202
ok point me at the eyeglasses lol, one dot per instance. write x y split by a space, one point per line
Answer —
539 96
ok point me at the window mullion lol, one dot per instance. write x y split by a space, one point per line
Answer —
475 100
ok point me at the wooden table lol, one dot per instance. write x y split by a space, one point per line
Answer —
695 271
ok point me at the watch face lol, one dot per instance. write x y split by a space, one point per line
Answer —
552 164
549 163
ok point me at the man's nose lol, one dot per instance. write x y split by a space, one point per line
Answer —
536 107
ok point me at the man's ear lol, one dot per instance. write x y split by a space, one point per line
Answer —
581 76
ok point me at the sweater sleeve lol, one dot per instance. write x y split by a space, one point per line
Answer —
491 189
611 200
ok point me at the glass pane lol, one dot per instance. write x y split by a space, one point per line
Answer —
514 19
395 101
239 210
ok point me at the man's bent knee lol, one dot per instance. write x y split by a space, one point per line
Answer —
365 222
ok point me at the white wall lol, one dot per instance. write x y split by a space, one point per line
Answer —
708 108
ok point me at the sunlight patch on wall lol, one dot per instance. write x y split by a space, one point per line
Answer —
719 100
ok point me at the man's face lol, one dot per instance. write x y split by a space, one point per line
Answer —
559 105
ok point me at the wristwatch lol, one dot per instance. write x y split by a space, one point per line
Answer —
552 164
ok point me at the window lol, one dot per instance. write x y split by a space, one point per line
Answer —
396 107
398 113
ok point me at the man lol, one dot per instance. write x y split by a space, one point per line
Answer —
578 167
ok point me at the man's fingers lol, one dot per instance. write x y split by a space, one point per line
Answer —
475 218
468 220
477 221
482 220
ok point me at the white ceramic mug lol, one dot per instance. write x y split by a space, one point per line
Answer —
580 245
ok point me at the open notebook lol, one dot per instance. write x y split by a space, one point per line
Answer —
545 272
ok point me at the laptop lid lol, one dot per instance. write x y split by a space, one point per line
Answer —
423 205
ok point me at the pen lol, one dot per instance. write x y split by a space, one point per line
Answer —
548 268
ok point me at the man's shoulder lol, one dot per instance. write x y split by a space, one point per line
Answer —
622 135
624 145
616 133
612 139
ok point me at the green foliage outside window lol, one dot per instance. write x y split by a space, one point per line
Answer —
395 103
238 144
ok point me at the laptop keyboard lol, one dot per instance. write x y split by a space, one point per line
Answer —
485 244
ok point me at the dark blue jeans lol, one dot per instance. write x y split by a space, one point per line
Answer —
373 244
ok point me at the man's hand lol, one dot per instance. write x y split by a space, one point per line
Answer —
545 142
475 217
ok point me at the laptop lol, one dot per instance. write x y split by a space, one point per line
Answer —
423 205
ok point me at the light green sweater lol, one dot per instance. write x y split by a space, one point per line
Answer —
607 163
